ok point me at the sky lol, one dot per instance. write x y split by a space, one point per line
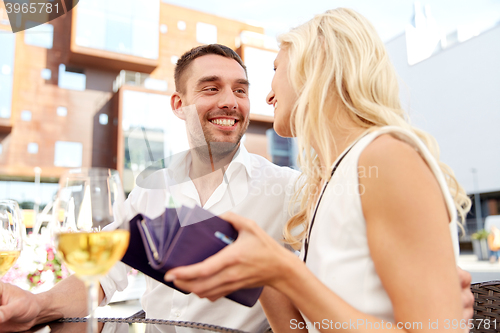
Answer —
388 16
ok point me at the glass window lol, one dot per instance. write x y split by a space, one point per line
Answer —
145 39
62 111
46 74
260 64
103 119
90 28
39 35
33 148
68 154
7 42
206 33
181 25
151 130
163 28
26 115
71 78
119 34
122 26
25 193
147 10
283 151
121 7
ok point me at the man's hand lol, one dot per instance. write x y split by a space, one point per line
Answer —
18 308
467 297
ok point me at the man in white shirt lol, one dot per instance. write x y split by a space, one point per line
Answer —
217 174
212 96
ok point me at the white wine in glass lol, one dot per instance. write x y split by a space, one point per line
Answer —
89 239
11 237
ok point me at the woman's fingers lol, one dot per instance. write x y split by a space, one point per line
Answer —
215 286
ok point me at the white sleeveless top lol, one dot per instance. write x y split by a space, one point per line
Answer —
338 251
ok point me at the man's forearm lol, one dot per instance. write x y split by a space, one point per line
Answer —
66 299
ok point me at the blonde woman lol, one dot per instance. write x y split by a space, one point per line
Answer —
378 209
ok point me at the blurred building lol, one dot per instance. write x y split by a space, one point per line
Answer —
450 84
92 87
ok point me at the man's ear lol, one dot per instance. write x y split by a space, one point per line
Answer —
176 105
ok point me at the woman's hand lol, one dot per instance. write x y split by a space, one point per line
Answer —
254 259
467 297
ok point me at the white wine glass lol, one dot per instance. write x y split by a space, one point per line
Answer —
11 234
89 240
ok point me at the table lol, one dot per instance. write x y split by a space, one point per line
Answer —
129 325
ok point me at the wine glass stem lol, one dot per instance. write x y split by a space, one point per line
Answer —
92 303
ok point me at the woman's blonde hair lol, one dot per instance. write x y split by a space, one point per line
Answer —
338 57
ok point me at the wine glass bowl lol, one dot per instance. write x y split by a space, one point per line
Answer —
11 237
89 234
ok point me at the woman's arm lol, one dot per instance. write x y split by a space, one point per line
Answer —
281 313
408 233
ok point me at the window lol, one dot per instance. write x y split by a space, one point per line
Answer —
174 59
103 119
62 111
181 25
46 74
260 65
39 35
163 28
33 148
26 115
25 193
122 26
282 150
150 135
6 70
71 78
68 154
206 33
7 42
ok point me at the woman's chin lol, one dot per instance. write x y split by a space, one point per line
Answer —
283 131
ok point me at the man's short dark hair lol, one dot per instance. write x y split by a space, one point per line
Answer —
187 58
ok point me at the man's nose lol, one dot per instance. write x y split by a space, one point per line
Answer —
270 98
228 100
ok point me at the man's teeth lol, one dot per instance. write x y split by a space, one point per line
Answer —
223 122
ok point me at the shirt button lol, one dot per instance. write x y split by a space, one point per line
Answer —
177 314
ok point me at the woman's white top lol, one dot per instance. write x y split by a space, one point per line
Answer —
338 251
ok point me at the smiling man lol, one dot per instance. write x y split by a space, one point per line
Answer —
217 173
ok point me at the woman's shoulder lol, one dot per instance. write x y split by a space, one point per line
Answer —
389 150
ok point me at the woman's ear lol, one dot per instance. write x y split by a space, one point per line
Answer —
176 105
